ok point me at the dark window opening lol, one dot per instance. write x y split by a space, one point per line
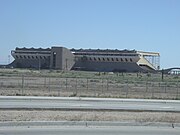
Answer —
122 60
126 59
130 59
54 59
83 58
112 59
117 59
99 59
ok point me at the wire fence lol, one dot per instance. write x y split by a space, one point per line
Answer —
84 87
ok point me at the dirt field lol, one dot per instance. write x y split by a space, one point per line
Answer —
89 116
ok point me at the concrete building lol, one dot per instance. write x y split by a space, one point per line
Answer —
86 59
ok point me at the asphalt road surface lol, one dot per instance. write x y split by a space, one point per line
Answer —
88 103
123 130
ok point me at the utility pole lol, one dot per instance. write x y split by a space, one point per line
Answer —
39 62
162 74
66 65
39 65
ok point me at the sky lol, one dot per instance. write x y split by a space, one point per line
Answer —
144 25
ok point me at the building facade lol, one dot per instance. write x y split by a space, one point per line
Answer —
99 60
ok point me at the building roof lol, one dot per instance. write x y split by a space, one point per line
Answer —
32 49
102 51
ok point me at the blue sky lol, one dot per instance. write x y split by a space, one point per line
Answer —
148 25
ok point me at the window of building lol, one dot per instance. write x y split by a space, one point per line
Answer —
54 59
17 57
117 59
103 59
99 59
107 59
112 59
90 58
130 59
94 58
20 56
28 57
32 57
83 58
36 57
126 59
122 60
40 57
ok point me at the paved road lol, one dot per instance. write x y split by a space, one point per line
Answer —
123 130
88 103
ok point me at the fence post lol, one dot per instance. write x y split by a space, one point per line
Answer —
66 84
59 88
1 84
76 86
95 91
160 86
165 85
87 84
49 84
152 93
107 84
117 88
45 82
177 95
127 90
102 86
22 84
146 86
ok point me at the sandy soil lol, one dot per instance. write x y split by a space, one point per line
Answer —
8 115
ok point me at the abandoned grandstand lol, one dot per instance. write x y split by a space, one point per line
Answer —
99 60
